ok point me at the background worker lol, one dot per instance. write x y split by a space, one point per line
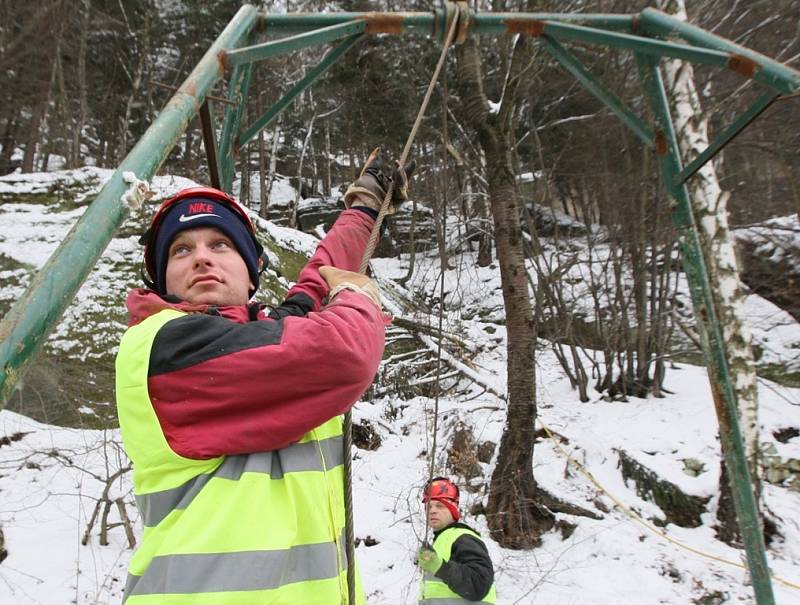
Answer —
457 568
231 416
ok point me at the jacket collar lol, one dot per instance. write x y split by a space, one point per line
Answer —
142 303
451 526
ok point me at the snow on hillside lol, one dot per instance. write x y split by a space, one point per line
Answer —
51 478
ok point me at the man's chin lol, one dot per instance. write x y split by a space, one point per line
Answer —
211 297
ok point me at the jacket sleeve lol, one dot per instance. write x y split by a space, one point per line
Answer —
297 305
469 572
223 388
342 247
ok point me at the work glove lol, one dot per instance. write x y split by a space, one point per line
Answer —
338 280
429 560
370 188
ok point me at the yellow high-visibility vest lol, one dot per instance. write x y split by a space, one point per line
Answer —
252 529
434 590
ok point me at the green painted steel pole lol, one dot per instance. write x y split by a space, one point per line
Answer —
429 23
658 48
35 314
376 23
745 61
571 63
266 50
229 136
711 335
706 47
508 23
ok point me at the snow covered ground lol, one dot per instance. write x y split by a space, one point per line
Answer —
51 478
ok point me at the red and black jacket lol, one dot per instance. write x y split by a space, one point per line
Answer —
234 380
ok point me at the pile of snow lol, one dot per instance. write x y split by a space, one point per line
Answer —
777 239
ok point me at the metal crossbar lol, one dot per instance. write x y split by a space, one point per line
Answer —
726 136
266 50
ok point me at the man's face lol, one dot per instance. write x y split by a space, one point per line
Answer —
204 267
439 516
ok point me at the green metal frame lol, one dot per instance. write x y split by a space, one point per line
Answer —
651 35
656 48
434 23
238 87
710 333
761 68
280 47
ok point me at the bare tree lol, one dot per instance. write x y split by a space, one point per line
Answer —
516 518
75 155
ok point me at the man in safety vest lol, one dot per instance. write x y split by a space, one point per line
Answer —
232 415
458 568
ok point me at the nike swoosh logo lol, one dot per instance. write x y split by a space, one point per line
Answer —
185 219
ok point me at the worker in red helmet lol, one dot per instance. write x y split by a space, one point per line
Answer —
457 568
231 413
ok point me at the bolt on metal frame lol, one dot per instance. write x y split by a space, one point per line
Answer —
650 35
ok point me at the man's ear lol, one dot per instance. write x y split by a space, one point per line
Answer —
259 270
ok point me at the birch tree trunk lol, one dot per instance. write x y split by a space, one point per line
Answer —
709 204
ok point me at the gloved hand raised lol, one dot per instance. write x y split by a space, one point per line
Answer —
339 279
429 560
370 188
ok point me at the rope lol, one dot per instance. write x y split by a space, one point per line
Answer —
435 431
633 515
443 263
371 245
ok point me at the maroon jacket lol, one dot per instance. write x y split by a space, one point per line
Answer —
232 380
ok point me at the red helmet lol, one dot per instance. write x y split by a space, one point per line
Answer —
445 491
246 240
440 488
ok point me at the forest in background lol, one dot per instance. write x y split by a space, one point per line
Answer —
91 87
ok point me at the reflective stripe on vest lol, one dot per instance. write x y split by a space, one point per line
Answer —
294 458
434 590
253 528
236 571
